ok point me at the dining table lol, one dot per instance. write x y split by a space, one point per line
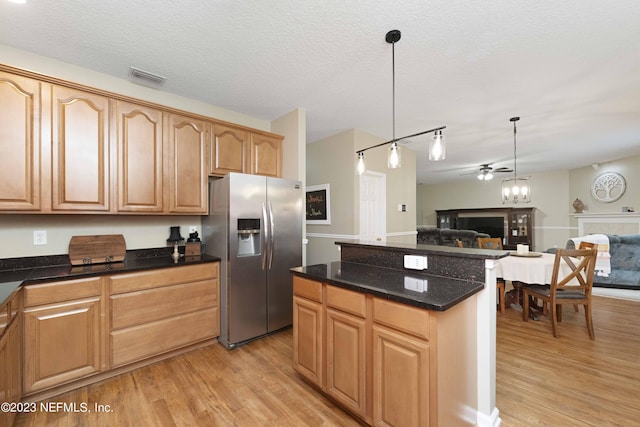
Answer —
530 268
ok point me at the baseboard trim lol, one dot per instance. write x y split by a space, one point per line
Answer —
492 420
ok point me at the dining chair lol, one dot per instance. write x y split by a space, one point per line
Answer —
565 290
494 243
459 243
489 243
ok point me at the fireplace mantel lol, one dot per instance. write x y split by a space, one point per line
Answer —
608 223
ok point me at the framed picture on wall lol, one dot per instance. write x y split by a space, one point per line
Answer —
318 204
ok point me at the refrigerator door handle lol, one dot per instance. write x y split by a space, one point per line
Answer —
265 240
272 234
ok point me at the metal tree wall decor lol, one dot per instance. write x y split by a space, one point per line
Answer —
608 187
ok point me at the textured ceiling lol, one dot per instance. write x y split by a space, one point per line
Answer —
570 69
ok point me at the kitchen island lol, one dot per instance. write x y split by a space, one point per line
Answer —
398 346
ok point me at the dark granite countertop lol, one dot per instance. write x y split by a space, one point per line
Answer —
440 293
417 249
15 272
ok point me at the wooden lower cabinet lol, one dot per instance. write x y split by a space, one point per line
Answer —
400 379
62 343
78 331
308 327
154 312
10 358
346 360
62 332
382 360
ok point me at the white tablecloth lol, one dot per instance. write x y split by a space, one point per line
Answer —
530 270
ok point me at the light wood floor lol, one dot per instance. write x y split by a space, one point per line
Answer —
541 381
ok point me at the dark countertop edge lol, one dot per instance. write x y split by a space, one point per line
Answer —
379 292
14 279
428 249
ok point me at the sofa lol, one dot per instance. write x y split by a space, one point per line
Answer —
448 237
625 262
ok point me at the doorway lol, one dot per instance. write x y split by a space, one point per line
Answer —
373 207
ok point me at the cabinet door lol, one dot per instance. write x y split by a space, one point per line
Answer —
187 164
61 343
346 360
521 228
308 339
80 151
400 379
5 378
266 155
20 147
139 158
229 150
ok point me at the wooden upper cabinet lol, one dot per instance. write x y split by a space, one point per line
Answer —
266 155
229 150
80 151
187 142
19 143
140 154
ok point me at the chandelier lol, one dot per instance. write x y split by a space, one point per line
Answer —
515 190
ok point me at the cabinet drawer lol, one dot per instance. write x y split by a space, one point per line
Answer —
404 318
163 277
149 305
139 342
345 300
306 288
66 290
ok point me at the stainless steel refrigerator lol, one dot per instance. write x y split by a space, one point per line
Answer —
255 227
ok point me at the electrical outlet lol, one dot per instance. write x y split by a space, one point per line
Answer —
415 262
39 237
193 229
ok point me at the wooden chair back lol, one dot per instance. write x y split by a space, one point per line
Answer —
587 245
565 290
459 243
583 272
489 243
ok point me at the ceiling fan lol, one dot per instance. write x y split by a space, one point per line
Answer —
485 173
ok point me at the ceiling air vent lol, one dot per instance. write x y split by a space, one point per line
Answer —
145 78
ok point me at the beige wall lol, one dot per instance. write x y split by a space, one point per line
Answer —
50 67
333 161
549 195
293 126
552 195
581 180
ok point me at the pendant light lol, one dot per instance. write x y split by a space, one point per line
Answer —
515 190
436 146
